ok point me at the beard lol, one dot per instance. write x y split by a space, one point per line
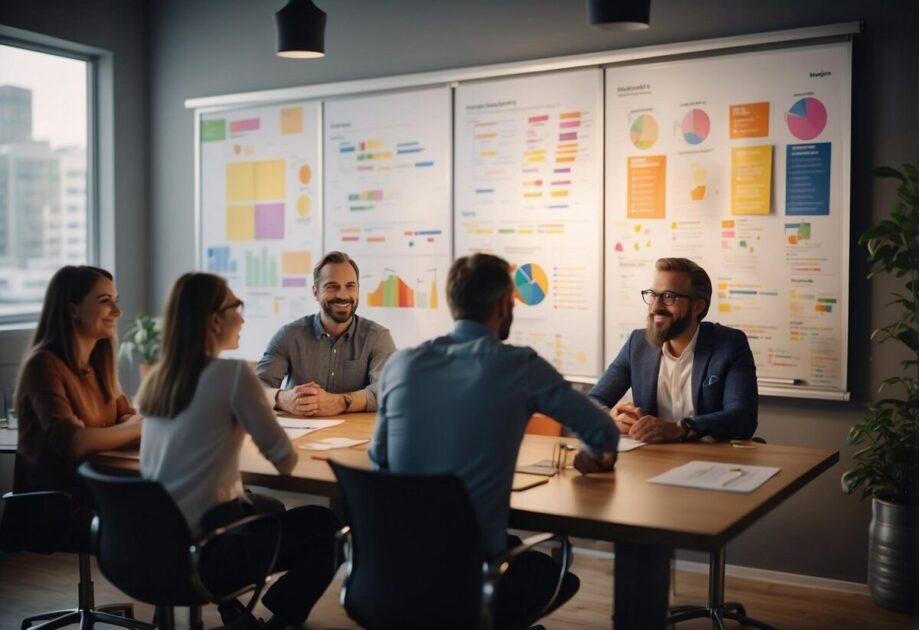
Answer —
504 331
658 334
338 317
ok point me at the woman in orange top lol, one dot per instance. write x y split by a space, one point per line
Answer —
68 398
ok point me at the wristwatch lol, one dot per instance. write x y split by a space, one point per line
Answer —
348 400
691 430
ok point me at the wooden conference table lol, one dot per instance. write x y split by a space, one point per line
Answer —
645 521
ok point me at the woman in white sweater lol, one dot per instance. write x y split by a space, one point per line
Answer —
198 409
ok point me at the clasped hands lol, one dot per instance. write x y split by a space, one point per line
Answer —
309 399
632 422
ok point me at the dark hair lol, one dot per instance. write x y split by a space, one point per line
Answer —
700 283
333 258
56 331
476 284
170 386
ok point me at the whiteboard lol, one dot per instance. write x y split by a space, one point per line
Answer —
529 164
387 200
778 254
741 163
261 211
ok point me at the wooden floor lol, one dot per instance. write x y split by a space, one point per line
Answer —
32 583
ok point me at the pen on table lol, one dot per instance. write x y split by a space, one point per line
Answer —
739 472
320 457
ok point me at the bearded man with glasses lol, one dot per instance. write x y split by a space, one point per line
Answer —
689 379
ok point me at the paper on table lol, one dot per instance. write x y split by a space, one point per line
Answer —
310 424
125 454
331 443
629 444
716 476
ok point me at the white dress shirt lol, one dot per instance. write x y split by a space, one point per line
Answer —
674 382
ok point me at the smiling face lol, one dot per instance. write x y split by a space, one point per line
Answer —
669 322
228 322
337 292
97 315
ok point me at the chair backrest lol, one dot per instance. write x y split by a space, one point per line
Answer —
141 539
416 550
540 424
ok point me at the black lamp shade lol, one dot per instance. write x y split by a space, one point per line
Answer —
301 30
619 15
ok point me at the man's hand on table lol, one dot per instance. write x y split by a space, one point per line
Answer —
585 463
625 415
652 429
309 400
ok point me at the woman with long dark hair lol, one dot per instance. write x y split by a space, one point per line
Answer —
68 398
198 409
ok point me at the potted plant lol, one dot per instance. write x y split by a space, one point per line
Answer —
142 337
887 465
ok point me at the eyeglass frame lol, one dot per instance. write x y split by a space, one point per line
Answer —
675 296
239 305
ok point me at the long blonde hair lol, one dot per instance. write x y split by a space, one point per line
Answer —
57 333
171 384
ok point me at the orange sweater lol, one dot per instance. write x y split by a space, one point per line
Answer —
57 402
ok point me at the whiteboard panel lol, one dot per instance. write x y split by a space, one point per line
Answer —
528 188
261 212
740 163
387 192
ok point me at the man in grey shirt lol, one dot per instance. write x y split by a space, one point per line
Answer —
332 360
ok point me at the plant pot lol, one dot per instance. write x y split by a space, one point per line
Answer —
144 370
893 555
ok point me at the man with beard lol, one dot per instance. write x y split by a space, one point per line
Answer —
459 404
689 378
333 360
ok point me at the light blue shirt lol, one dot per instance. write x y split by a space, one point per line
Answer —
459 404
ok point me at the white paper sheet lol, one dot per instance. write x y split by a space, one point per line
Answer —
332 443
716 476
308 424
629 444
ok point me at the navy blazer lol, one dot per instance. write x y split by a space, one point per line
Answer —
724 394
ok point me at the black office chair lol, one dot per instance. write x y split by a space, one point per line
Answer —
717 609
144 547
35 522
415 557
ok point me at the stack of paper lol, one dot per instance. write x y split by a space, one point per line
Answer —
716 476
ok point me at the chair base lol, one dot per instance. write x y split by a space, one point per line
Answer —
86 618
729 610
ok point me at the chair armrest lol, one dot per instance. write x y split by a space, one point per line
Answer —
28 512
197 548
495 570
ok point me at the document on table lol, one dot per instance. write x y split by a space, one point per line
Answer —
307 424
629 444
332 443
716 476
128 453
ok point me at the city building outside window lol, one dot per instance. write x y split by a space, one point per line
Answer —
46 215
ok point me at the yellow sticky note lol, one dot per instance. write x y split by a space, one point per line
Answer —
295 262
751 179
240 181
241 223
269 180
291 120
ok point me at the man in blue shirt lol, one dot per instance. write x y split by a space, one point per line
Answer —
460 404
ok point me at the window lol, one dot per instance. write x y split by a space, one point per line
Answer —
45 149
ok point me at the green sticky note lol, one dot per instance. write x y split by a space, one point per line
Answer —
213 130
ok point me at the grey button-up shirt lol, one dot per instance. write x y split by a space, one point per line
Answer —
302 351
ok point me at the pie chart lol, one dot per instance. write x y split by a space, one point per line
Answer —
531 284
696 126
644 131
806 118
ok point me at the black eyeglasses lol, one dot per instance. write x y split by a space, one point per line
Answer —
667 297
238 305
